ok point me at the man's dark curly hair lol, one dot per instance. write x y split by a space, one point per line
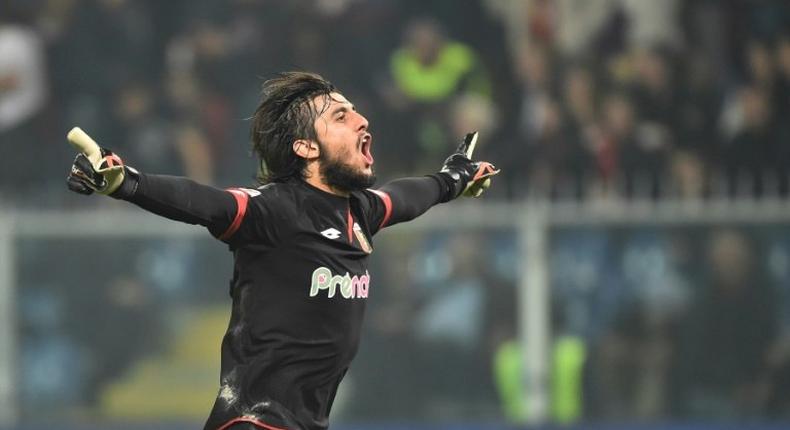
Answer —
285 115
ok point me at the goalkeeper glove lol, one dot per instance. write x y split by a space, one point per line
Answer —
468 178
107 176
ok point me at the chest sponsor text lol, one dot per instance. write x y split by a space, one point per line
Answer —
349 287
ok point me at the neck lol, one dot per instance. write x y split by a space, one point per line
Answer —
314 179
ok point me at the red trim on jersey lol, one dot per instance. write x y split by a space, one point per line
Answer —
242 199
350 227
250 420
385 198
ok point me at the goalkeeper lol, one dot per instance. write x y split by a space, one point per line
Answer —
300 243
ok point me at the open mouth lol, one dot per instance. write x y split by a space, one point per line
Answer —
365 141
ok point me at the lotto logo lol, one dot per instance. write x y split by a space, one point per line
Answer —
351 287
331 233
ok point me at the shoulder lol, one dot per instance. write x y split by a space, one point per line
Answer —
371 197
264 215
275 197
376 203
273 190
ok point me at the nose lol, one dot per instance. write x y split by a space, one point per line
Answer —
363 123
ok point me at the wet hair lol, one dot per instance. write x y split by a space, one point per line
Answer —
285 114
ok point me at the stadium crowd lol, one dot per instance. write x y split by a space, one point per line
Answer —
574 99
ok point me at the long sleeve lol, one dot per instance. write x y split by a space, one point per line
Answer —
407 198
185 200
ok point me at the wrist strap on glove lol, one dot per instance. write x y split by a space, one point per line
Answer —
466 177
108 178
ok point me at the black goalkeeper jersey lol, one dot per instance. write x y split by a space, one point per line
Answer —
299 288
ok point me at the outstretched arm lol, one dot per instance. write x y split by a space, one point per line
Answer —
407 198
98 170
185 200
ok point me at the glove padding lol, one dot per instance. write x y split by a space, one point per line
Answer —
470 178
104 176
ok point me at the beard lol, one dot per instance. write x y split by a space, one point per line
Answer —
342 176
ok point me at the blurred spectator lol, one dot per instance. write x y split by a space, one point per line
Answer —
782 91
428 70
22 78
783 76
631 368
147 144
568 356
655 96
759 61
730 328
429 67
91 47
632 365
579 115
567 24
687 177
629 162
576 26
535 85
23 97
752 156
472 112
450 320
652 23
539 147
127 310
194 148
699 105
56 366
580 103
452 310
549 151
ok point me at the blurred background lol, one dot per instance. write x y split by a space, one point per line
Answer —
630 267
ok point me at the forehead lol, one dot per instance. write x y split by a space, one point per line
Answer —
325 104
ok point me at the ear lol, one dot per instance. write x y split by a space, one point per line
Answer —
306 149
